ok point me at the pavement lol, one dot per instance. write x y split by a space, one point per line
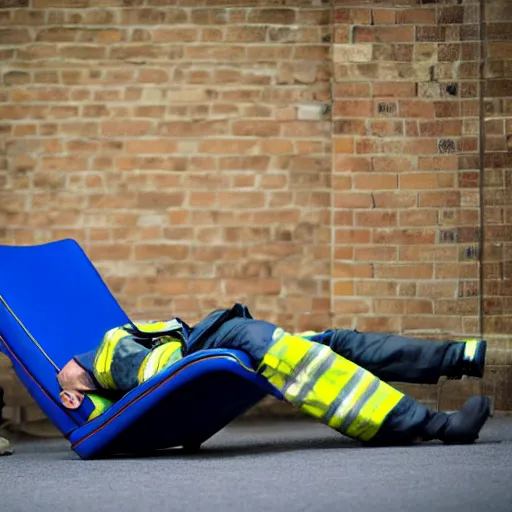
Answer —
286 466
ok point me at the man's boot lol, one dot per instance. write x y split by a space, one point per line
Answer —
461 427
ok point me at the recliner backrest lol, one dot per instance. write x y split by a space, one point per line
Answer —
53 305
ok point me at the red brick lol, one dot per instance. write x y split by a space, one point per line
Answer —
341 34
350 127
389 306
427 180
404 271
351 90
394 89
343 288
256 128
174 35
416 108
438 163
450 128
435 290
352 163
355 16
392 164
394 199
419 147
439 198
383 34
418 217
376 288
353 108
352 236
343 145
416 16
376 218
387 128
404 236
384 16
375 253
156 251
349 306
418 307
375 182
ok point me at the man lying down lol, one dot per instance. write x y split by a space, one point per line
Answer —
336 376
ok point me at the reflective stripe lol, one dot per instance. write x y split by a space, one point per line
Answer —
157 327
158 359
338 420
305 334
103 358
339 403
297 379
356 407
324 366
470 349
327 386
374 412
101 404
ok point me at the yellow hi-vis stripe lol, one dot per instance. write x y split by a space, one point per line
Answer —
470 348
327 386
374 411
101 404
104 356
159 358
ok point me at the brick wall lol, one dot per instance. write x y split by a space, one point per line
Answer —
497 196
316 160
406 208
186 147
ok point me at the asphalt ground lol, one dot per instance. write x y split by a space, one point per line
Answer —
285 466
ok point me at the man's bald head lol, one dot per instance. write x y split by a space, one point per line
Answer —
73 380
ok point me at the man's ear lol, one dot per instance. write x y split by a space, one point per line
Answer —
71 399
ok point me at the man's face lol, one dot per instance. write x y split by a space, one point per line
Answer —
74 380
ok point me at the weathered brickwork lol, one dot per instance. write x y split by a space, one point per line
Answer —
317 160
497 197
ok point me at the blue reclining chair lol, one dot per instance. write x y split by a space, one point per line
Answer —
54 305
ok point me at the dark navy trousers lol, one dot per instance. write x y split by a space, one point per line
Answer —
387 356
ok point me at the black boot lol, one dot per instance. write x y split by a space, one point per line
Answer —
461 427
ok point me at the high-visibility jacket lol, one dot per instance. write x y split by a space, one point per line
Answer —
131 354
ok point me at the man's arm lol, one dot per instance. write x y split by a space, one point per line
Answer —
122 363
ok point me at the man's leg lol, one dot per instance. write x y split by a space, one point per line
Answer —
5 446
339 393
402 359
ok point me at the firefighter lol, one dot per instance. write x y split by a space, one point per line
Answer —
336 376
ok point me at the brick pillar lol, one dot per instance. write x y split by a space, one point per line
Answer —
405 149
497 198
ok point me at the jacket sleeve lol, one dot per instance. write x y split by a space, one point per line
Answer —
122 362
